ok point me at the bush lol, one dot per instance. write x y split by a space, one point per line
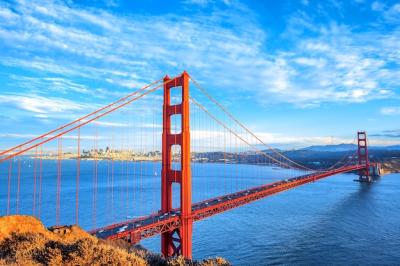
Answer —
25 241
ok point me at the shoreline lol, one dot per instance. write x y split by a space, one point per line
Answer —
392 167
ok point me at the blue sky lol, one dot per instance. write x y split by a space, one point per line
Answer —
296 72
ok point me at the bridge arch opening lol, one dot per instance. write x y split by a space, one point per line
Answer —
176 95
176 124
176 164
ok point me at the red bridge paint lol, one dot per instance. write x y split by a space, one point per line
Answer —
158 223
177 240
174 224
362 153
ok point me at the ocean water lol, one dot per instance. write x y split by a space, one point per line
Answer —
332 221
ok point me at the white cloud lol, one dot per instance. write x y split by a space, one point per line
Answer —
31 136
111 3
391 110
55 84
151 125
40 105
312 62
204 3
393 13
7 14
109 124
227 49
333 64
389 13
140 47
198 2
213 140
281 140
13 135
377 6
305 2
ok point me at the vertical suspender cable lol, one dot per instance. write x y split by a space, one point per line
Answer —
112 173
34 182
18 183
9 185
94 198
58 199
78 172
40 180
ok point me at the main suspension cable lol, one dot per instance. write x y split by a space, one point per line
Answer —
302 167
202 89
81 124
236 134
81 118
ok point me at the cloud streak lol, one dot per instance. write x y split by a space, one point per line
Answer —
40 105
334 64
91 55
391 110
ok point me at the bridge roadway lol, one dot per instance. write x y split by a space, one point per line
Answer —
144 227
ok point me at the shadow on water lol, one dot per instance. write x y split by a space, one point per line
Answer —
337 231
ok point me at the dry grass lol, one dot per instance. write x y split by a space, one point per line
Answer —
392 166
20 224
158 260
25 241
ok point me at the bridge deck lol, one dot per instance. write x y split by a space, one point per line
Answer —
136 229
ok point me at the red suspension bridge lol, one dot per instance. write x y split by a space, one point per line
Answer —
100 168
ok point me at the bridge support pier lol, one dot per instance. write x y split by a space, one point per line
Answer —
375 170
364 174
178 241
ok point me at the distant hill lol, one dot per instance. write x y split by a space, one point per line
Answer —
388 148
347 147
331 148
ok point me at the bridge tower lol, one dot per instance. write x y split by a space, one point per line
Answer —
178 241
364 175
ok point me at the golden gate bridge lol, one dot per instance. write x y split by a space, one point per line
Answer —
120 147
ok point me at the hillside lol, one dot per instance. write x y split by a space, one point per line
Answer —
390 166
312 158
331 148
25 241
348 147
